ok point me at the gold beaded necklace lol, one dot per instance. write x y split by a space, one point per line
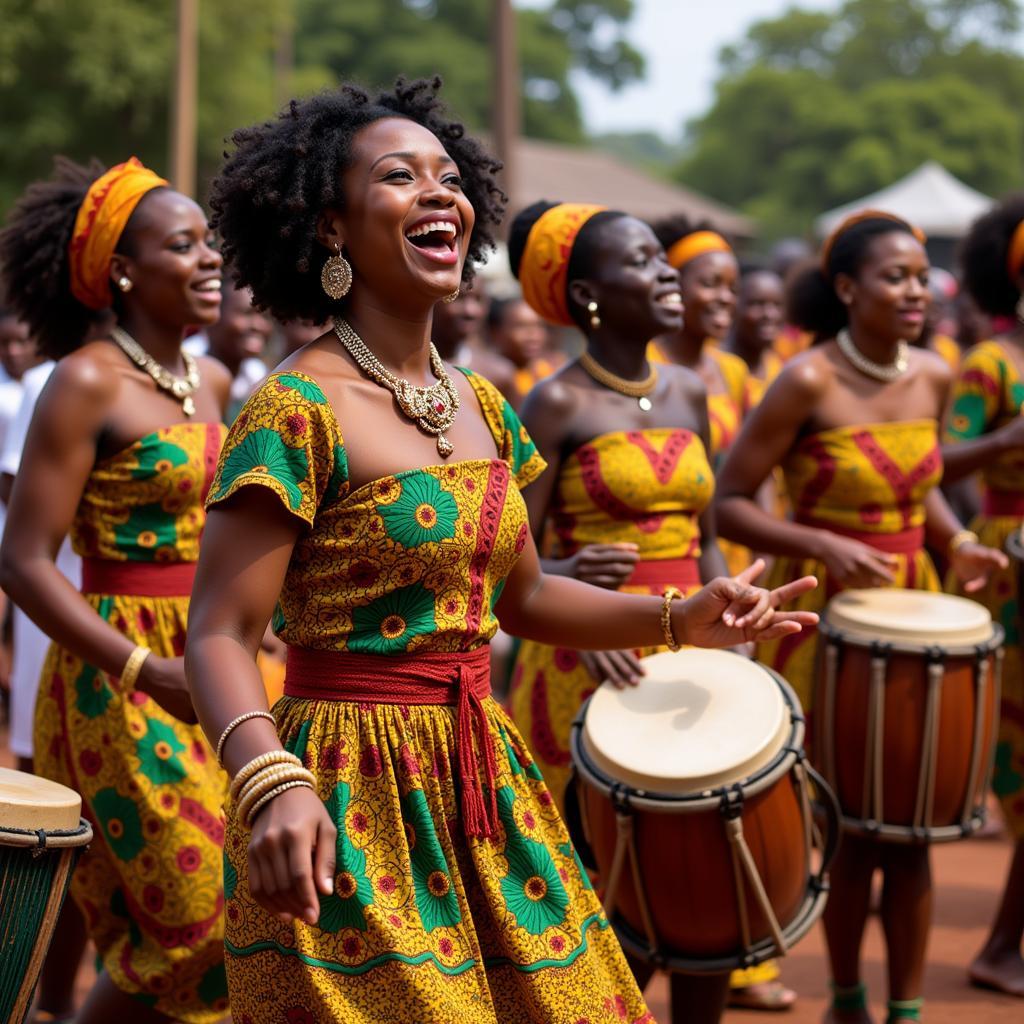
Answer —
432 408
638 389
180 388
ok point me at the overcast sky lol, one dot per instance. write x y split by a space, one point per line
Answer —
681 40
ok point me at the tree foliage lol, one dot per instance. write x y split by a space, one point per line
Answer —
814 108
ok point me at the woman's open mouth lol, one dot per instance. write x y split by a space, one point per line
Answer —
438 240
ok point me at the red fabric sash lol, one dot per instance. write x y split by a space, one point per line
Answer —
904 542
458 679
137 579
1003 503
683 573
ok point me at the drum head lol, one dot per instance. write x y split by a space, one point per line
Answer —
697 720
29 802
911 617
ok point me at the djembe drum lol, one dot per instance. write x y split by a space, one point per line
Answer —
41 837
694 800
906 708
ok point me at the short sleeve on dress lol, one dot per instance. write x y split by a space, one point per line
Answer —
977 392
515 446
287 440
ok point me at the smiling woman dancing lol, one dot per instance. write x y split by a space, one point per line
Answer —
392 852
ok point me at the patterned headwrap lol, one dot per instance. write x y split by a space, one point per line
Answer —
857 218
545 263
695 244
1015 254
108 204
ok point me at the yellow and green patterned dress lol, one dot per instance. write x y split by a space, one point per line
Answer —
425 923
867 482
150 885
645 487
988 394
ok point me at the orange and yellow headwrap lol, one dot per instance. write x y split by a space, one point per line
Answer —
544 266
857 218
695 244
108 204
1015 254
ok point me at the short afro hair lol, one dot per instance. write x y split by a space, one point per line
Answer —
34 258
983 256
284 173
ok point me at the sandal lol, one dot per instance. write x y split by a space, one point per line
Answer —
771 996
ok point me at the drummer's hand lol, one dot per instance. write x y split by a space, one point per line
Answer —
975 563
292 855
163 679
605 565
620 668
852 565
728 611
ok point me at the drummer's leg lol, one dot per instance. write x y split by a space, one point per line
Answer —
56 993
698 999
846 915
107 1003
999 965
906 916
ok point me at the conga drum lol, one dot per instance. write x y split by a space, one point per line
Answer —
694 800
906 708
41 837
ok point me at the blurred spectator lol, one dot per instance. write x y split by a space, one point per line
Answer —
297 333
521 337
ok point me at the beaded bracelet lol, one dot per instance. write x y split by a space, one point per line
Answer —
268 781
261 761
235 722
133 666
671 593
265 799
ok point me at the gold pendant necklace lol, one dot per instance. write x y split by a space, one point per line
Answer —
432 408
180 388
638 389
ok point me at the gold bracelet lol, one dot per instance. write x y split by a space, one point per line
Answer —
266 781
266 798
261 761
235 722
133 666
960 538
671 593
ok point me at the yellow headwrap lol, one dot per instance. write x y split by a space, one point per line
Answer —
1015 254
695 244
857 218
108 204
545 263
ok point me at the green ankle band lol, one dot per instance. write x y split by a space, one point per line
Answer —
850 998
904 1009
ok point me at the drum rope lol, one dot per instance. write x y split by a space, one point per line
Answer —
828 732
971 798
929 741
874 765
805 811
744 864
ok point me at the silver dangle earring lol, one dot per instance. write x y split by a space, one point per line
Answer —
336 276
595 320
124 284
1020 308
452 297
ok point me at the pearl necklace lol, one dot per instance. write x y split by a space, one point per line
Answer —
180 388
432 408
887 372
638 389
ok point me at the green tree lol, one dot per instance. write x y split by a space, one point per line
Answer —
816 108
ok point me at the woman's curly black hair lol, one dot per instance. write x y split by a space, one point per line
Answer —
284 173
675 226
34 258
983 255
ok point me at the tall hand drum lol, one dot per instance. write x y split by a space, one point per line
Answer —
41 836
694 800
906 708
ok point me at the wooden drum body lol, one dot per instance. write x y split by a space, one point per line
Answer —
906 709
694 801
41 837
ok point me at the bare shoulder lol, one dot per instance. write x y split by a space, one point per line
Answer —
807 376
684 382
931 365
90 374
214 372
555 396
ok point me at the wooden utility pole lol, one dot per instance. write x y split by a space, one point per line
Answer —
185 95
505 103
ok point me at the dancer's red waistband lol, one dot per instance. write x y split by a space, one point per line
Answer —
1003 503
458 678
683 573
137 579
902 542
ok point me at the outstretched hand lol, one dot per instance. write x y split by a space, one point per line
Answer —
730 611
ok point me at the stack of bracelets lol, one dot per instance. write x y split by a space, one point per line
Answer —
265 776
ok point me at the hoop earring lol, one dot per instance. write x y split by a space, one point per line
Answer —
452 297
336 276
124 284
595 320
1020 308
